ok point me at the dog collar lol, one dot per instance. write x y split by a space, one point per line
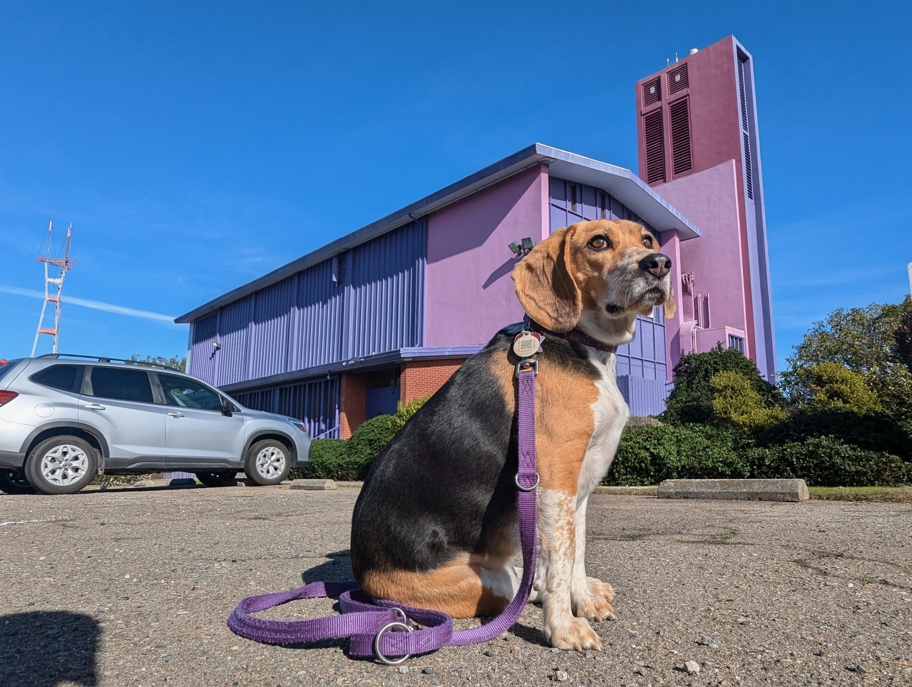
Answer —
574 335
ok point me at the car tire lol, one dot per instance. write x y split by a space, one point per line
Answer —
222 478
61 465
268 462
14 482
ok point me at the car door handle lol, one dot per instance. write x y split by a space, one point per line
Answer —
176 414
94 406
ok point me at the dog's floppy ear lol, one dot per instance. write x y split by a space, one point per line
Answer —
670 303
544 286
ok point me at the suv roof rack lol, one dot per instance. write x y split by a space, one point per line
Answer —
102 359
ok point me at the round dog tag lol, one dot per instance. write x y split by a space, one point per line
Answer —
526 344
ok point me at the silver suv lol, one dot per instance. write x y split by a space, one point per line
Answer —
64 419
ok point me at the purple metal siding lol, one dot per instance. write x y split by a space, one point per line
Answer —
202 352
232 359
367 300
644 396
317 319
271 328
316 402
384 292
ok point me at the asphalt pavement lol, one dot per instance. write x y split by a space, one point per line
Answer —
133 587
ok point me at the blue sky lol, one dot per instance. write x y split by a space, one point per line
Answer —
195 146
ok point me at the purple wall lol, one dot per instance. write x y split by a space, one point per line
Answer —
470 293
369 299
710 200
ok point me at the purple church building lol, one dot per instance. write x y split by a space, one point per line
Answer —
389 312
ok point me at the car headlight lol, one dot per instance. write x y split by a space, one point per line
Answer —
297 423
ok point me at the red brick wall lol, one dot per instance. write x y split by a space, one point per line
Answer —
353 404
423 377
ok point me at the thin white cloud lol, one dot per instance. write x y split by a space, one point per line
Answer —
94 305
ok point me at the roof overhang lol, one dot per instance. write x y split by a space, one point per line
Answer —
359 364
621 183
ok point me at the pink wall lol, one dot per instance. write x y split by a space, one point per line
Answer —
710 200
469 290
671 246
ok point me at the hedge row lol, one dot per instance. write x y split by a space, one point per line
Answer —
648 455
825 448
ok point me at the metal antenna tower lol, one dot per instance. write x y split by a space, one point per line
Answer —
64 264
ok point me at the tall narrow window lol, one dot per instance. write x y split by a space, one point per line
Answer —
655 147
677 79
680 136
742 93
748 172
652 92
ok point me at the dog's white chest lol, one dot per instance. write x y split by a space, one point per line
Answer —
610 413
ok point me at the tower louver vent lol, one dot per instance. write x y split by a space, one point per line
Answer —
680 136
677 79
655 148
652 93
742 94
748 172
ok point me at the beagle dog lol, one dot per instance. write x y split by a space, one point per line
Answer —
435 524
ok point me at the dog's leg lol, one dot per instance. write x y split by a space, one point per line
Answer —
590 596
556 518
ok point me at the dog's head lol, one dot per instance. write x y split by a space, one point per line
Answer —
595 276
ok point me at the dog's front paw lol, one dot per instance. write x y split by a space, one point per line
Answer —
572 633
599 588
593 607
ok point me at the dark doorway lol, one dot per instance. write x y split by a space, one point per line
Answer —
382 392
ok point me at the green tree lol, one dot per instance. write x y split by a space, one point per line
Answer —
902 341
862 340
735 402
829 385
691 398
174 363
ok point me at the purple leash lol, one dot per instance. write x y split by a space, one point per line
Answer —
380 628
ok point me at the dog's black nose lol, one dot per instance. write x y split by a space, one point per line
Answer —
657 264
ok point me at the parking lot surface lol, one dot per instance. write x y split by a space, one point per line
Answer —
133 587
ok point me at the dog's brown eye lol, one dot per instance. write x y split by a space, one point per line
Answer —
599 243
647 241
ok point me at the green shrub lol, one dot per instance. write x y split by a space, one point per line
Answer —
328 460
736 403
405 410
367 441
351 459
877 432
832 385
691 398
827 462
648 455
643 421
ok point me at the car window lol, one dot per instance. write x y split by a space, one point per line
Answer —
186 393
63 377
122 385
6 366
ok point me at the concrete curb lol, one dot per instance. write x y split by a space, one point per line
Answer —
734 489
313 484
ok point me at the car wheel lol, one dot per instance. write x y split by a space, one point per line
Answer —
222 478
268 462
61 465
14 482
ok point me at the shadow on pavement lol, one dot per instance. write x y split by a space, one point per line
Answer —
47 648
338 567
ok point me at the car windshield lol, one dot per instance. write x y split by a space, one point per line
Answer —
6 366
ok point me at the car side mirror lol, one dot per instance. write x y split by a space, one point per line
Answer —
226 408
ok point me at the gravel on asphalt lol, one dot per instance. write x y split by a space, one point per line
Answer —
133 587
